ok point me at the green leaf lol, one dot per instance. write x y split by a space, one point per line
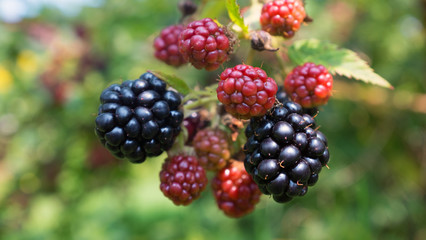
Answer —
174 82
337 60
235 15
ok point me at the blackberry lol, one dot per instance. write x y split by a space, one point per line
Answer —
235 191
284 154
139 118
282 17
166 46
310 85
246 91
182 179
204 44
212 148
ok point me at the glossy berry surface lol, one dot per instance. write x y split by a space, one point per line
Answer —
284 155
166 46
182 179
204 44
246 91
310 85
138 118
282 17
212 148
235 191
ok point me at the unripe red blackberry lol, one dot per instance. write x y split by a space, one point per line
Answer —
235 191
204 44
182 179
282 17
246 91
284 154
212 148
309 85
166 46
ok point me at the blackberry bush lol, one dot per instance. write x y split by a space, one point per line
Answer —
282 151
139 118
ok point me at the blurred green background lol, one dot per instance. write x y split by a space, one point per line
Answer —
57 182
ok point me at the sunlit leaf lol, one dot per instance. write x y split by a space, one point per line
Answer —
235 15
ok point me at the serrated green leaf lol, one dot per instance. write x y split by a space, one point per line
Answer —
174 82
235 15
338 61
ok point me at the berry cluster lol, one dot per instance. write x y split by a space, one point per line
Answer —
282 17
139 118
284 153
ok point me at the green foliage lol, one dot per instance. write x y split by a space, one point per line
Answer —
338 60
235 15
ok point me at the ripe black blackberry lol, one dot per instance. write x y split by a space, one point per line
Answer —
284 154
138 118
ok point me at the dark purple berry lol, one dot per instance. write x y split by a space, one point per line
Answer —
161 110
301 172
127 96
173 99
294 189
115 137
269 148
324 158
313 179
150 129
123 115
282 132
143 115
283 198
268 169
105 122
278 185
110 97
139 86
289 155
148 98
314 164
109 107
315 147
133 128
300 140
176 118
